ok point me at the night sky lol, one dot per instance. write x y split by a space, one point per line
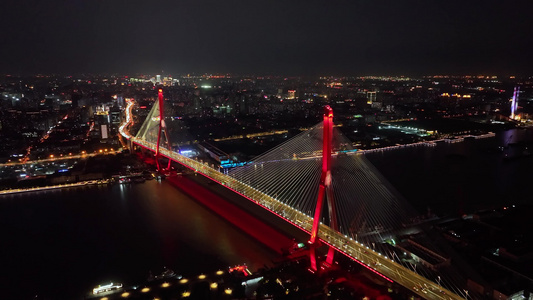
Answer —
275 37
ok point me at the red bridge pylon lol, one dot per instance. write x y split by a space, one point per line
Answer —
162 125
325 190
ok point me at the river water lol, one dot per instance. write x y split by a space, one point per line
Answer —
60 244
462 177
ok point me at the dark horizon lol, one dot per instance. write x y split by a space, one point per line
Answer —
300 38
259 75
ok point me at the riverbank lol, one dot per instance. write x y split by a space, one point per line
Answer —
55 187
432 143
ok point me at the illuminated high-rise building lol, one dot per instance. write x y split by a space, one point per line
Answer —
372 97
291 94
514 102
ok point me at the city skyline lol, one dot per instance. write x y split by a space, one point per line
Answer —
271 38
405 151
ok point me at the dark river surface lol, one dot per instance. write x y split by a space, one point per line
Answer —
456 178
60 244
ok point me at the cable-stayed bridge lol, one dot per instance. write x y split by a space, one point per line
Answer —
316 172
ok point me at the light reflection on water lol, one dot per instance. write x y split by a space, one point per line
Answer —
92 235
